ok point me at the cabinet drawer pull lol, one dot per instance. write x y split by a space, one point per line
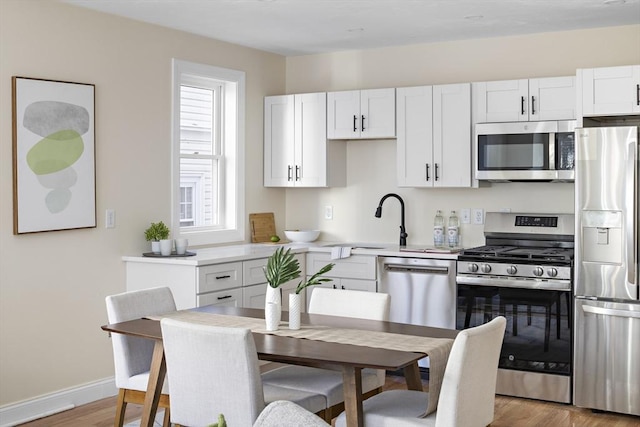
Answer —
362 123
297 173
638 94
427 168
225 297
223 277
355 129
437 177
522 105
289 173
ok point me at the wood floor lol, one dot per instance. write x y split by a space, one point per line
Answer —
510 412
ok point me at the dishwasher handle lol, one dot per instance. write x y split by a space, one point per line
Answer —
403 268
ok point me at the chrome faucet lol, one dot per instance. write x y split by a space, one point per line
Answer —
403 233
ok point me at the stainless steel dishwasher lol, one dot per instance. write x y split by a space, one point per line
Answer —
423 291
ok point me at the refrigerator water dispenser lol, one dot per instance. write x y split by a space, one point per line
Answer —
602 236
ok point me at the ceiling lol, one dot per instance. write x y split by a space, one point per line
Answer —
300 27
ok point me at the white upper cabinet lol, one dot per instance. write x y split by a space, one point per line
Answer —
361 114
609 91
434 136
296 150
551 98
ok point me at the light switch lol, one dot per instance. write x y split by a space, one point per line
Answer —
110 218
478 216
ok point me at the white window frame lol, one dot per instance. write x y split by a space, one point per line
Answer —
231 228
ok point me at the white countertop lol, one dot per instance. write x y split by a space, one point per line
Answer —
249 251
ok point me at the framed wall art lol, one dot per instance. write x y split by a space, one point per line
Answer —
54 184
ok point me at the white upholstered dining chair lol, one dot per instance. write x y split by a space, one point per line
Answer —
467 395
214 370
284 413
132 355
344 303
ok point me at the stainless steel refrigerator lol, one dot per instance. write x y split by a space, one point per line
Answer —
607 299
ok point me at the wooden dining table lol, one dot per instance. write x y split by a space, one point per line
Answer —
350 359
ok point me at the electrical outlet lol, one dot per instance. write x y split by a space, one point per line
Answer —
110 218
465 216
478 216
328 212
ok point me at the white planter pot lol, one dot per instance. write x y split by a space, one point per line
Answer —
155 247
295 304
273 307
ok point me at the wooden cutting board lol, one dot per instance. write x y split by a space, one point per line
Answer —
263 226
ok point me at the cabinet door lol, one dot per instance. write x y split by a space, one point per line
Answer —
343 114
378 113
279 141
552 98
610 90
452 142
310 140
501 101
415 137
254 296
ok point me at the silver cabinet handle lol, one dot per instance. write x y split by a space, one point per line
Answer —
610 311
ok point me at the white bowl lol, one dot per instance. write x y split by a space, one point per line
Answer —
301 236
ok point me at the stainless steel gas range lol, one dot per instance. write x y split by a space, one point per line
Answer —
524 273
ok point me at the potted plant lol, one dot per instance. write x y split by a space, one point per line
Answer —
157 231
282 267
295 299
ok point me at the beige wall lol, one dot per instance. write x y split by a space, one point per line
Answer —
371 164
53 285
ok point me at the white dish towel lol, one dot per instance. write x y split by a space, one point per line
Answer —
338 252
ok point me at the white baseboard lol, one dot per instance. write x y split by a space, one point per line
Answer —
48 404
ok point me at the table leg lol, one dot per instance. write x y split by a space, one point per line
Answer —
412 377
352 380
154 388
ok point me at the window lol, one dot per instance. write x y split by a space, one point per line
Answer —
208 147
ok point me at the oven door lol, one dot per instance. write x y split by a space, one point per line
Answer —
535 360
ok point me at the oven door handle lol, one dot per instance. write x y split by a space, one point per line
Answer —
610 311
547 285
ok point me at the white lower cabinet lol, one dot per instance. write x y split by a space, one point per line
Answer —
231 284
255 286
357 272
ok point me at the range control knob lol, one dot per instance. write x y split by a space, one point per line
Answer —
552 272
512 269
538 271
472 267
486 268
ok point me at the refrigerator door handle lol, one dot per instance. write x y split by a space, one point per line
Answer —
610 311
632 217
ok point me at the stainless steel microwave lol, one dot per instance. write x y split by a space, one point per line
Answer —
525 151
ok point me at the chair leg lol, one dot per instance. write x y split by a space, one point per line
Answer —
166 422
121 407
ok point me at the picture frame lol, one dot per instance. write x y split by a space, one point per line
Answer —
54 179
